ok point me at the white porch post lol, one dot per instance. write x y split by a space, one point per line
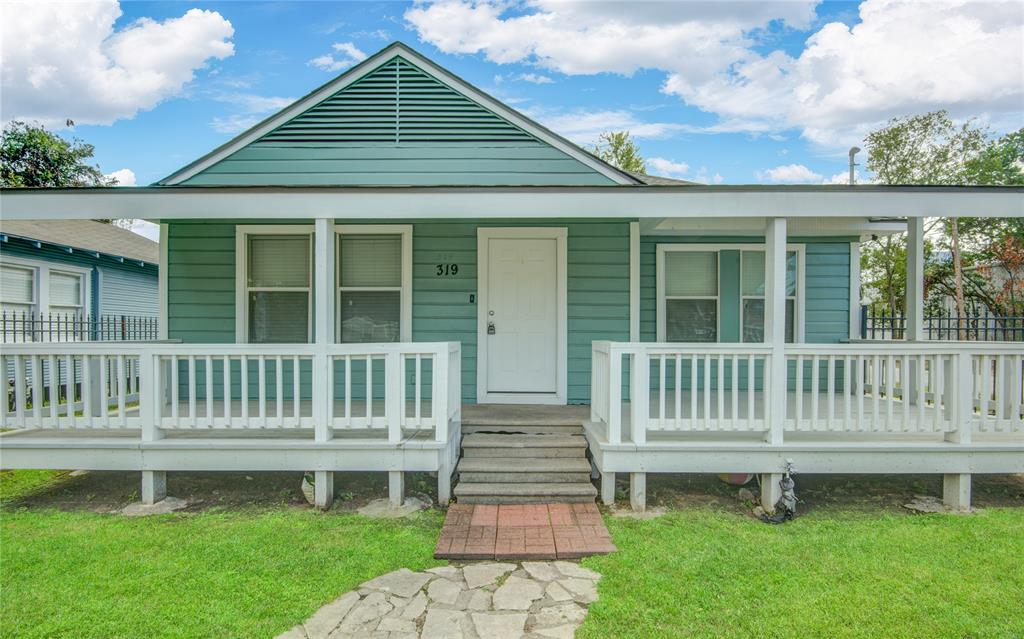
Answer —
154 486
775 326
323 333
915 280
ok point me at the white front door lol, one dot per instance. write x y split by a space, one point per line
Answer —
521 296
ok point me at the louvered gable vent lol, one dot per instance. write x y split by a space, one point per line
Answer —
397 103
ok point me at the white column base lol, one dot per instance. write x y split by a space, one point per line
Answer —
956 491
638 491
396 487
154 486
608 489
323 489
444 486
771 491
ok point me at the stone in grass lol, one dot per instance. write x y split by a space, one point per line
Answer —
402 582
583 590
746 495
382 508
330 616
162 507
365 615
397 625
495 625
541 570
448 572
517 594
443 624
569 613
443 591
478 575
926 504
568 631
415 607
642 515
557 592
479 600
570 569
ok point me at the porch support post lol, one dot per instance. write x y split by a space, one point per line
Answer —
775 326
323 326
608 488
634 281
323 489
915 280
154 486
396 487
956 491
638 491
444 484
771 491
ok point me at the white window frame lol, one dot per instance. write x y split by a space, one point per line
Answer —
662 249
717 248
242 288
405 291
41 281
798 315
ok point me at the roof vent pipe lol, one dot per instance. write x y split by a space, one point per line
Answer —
853 151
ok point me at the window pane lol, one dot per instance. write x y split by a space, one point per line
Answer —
691 320
279 260
753 320
371 260
65 290
691 273
752 267
370 316
278 317
752 272
17 284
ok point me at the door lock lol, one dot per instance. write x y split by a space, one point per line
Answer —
490 328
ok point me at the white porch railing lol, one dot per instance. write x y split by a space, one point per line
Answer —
164 387
865 387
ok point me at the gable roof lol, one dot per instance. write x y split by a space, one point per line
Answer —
373 91
86 235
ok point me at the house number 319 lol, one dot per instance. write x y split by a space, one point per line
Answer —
447 269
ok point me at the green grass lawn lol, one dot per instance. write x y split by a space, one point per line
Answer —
708 570
707 573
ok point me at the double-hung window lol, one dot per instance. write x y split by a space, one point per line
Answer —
67 291
690 301
373 278
17 289
278 279
752 286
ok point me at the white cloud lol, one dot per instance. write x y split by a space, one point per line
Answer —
789 174
902 57
124 177
668 168
347 55
251 108
65 60
584 127
535 78
704 178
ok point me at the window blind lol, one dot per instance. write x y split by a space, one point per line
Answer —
277 261
691 273
371 261
65 289
17 285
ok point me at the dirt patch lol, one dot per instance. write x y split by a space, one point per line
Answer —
107 491
857 492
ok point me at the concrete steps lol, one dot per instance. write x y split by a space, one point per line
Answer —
524 463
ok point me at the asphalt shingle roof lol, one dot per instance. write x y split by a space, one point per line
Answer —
86 235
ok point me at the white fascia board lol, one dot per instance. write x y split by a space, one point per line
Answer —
183 203
370 65
807 227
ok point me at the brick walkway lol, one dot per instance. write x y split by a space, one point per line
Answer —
526 531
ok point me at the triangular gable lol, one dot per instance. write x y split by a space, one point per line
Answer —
398 119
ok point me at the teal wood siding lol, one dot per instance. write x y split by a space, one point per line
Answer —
398 126
201 282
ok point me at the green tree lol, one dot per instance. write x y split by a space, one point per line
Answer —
620 150
31 156
932 149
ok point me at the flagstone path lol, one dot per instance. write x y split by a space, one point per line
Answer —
528 600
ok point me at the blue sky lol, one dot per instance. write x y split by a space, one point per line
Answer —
715 92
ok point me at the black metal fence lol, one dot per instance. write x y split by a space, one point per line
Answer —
64 327
975 327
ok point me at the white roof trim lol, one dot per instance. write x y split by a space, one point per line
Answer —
369 66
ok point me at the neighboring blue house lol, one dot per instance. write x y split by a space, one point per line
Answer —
55 270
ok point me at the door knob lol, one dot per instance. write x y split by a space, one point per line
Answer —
490 328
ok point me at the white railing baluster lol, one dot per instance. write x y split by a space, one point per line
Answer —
279 391
661 391
735 408
919 365
938 403
814 392
720 392
19 389
750 391
798 394
707 393
905 392
208 377
348 391
296 393
830 390
174 388
243 389
694 398
999 368
226 377
984 371
37 391
417 375
192 389
122 391
847 394
369 391
261 361
890 392
105 386
54 386
678 394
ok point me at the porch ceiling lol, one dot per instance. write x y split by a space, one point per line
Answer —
384 203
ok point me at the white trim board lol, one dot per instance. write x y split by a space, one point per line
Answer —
370 65
560 235
408 203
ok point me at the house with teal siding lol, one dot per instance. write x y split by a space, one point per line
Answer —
400 273
75 280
